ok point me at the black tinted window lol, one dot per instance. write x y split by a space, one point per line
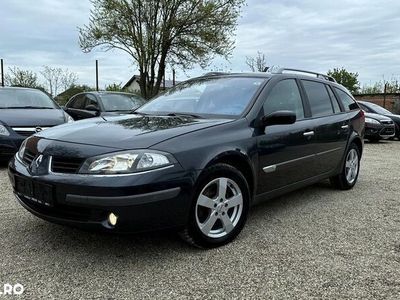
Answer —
335 103
318 97
91 100
348 102
78 102
285 95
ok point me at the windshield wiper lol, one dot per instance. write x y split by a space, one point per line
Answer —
184 115
28 107
138 113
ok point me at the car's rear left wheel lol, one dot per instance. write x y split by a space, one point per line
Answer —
349 174
219 209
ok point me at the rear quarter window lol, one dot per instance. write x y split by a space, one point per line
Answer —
348 102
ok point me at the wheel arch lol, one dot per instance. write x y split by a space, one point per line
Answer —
240 161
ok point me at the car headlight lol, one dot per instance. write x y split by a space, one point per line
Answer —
127 162
4 131
21 150
69 118
372 121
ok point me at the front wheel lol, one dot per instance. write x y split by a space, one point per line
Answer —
219 209
349 175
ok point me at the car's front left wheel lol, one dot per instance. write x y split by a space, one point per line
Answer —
219 207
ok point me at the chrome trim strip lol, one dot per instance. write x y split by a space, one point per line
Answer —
329 151
308 133
269 169
272 168
33 129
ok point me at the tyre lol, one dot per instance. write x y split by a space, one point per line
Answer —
374 140
220 206
351 167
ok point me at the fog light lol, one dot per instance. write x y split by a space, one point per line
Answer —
112 219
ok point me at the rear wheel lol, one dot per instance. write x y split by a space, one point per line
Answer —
349 175
219 209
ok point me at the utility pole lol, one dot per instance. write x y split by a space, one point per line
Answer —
97 75
384 95
2 72
173 77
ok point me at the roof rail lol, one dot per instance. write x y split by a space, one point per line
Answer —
318 75
215 73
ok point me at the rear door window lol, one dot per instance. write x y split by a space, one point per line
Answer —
320 102
347 101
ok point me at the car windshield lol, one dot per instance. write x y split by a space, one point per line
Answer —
25 98
206 96
121 102
378 109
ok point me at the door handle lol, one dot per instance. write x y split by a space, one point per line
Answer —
308 133
345 126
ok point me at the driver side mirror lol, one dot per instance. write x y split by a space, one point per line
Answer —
281 117
93 108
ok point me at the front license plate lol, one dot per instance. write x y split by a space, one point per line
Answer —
34 191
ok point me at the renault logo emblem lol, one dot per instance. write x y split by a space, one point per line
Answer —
38 129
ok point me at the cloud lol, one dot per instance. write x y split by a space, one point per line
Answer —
361 36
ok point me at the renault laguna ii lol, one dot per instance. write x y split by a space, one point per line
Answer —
195 158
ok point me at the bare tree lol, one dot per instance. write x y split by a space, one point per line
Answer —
258 63
68 79
57 78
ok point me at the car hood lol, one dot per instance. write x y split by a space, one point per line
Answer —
24 117
377 117
128 131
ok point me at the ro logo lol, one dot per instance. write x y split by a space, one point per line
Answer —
12 289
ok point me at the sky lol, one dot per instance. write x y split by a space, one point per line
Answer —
361 35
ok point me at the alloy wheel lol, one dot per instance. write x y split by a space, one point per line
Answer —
351 169
219 207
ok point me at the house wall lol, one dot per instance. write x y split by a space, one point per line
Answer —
392 101
134 87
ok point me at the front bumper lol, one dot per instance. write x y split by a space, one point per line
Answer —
381 131
148 201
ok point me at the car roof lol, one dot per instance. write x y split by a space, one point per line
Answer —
267 75
18 88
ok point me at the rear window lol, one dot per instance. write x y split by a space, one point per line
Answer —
318 97
347 101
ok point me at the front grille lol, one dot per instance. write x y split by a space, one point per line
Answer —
387 131
65 164
387 122
28 131
28 156
24 132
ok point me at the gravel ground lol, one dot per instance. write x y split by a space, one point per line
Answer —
313 243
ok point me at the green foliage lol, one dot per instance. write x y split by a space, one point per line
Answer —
348 79
392 86
156 32
21 78
63 98
376 88
115 87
